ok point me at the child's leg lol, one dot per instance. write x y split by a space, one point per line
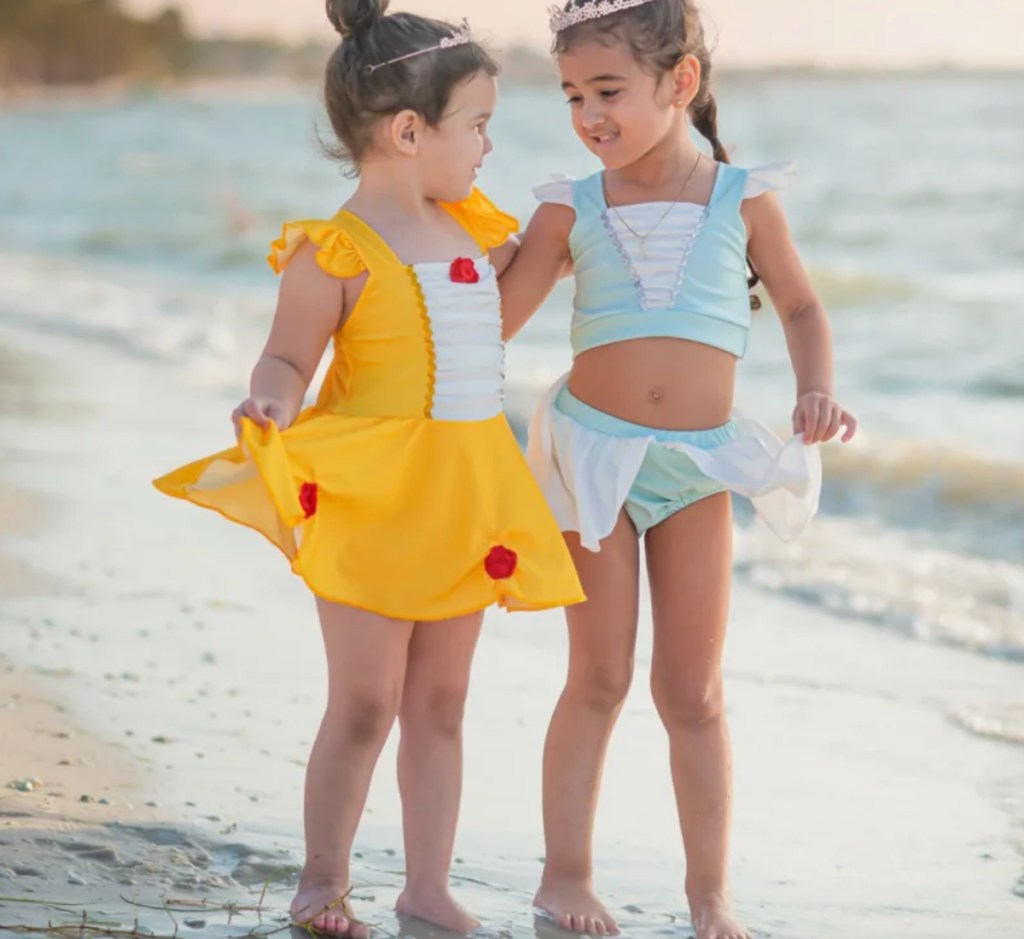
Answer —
602 636
689 561
366 660
430 765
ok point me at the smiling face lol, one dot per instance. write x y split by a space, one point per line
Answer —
621 110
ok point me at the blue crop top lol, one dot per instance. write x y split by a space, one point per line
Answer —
687 280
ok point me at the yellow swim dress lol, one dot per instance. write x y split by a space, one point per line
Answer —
403 490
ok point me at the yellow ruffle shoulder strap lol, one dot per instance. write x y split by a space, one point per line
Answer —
489 226
338 255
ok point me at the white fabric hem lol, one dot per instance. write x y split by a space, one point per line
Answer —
558 191
771 177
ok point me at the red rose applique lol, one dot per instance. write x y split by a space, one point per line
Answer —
308 498
464 271
501 563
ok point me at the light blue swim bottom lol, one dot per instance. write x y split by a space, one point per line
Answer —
668 480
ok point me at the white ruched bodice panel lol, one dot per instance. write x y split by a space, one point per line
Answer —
465 331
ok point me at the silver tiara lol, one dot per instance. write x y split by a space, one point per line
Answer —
460 37
562 19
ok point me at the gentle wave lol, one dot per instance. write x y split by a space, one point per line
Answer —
845 287
929 473
994 722
895 579
210 330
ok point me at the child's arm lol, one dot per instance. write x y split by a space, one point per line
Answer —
310 308
818 416
542 259
502 256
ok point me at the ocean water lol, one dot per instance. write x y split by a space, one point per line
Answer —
142 224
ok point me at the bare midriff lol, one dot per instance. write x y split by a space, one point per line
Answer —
670 384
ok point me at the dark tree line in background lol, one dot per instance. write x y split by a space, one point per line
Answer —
59 42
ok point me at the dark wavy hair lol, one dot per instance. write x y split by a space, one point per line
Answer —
660 35
357 94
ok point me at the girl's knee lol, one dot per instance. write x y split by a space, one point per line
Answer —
363 718
438 709
684 705
602 688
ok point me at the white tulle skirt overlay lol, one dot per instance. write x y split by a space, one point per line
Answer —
592 465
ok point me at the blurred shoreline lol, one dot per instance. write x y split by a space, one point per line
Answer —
524 71
118 90
64 46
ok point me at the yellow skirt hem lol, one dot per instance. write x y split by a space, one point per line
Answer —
502 599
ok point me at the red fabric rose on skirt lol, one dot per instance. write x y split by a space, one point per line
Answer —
464 271
501 563
308 498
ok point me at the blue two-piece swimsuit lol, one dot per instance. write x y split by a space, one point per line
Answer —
688 280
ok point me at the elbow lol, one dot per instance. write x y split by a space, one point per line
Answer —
806 314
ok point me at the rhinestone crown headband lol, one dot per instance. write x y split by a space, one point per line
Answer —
460 37
563 19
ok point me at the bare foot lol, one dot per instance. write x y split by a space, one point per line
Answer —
437 907
714 919
324 907
575 907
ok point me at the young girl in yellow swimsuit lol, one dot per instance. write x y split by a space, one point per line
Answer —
401 497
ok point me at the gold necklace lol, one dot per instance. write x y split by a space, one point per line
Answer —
643 238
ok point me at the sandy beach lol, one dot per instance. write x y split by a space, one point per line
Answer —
79 833
166 666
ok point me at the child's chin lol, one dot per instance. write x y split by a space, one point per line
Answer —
613 160
453 192
613 156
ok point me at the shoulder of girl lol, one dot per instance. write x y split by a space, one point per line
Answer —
336 252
